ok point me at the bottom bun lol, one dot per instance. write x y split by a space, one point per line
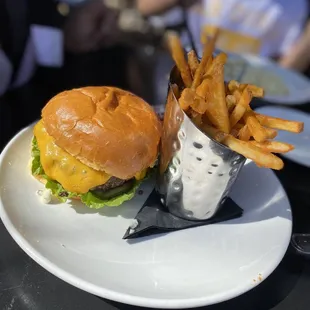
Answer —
43 181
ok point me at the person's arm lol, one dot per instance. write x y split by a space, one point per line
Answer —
151 7
6 71
298 57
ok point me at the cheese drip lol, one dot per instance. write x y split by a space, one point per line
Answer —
62 167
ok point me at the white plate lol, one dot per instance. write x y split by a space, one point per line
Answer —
189 268
298 86
301 141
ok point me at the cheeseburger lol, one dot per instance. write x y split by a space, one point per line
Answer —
96 144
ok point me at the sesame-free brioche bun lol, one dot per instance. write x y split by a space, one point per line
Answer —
106 128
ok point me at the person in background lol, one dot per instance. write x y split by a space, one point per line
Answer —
271 28
42 33
298 57
49 46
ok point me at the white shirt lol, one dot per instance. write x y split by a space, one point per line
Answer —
267 27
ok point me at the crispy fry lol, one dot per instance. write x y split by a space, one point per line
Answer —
244 133
242 87
257 130
222 109
212 132
203 88
239 125
256 91
279 123
232 86
199 105
220 59
274 146
237 94
218 113
190 99
230 102
247 149
271 133
186 99
234 132
193 61
241 107
206 59
177 53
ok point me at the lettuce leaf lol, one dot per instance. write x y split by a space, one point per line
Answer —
96 203
36 167
58 190
89 199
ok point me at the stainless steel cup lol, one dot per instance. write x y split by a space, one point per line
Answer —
196 172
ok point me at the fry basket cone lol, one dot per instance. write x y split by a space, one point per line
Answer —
196 173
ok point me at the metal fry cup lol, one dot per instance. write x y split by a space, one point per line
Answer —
196 173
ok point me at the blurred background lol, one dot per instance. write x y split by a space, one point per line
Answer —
47 46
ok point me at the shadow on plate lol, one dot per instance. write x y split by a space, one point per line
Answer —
265 196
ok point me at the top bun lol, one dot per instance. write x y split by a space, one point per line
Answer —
106 128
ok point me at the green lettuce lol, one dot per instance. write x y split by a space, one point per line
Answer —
57 190
89 199
36 167
96 203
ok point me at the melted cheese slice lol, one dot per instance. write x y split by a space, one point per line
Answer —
141 175
64 168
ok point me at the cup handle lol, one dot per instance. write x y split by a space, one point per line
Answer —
301 243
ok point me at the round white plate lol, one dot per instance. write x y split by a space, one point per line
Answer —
301 141
189 268
297 85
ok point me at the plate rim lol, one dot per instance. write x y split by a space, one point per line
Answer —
284 100
122 297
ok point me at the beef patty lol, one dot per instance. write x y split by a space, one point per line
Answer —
112 183
113 187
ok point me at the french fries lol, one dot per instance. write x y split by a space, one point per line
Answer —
205 61
193 61
279 123
251 151
211 131
244 133
271 133
222 109
202 89
274 146
216 97
177 52
256 129
241 107
257 92
230 102
186 99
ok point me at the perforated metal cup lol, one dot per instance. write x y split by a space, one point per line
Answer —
196 172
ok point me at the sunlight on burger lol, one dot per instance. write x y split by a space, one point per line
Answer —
95 144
